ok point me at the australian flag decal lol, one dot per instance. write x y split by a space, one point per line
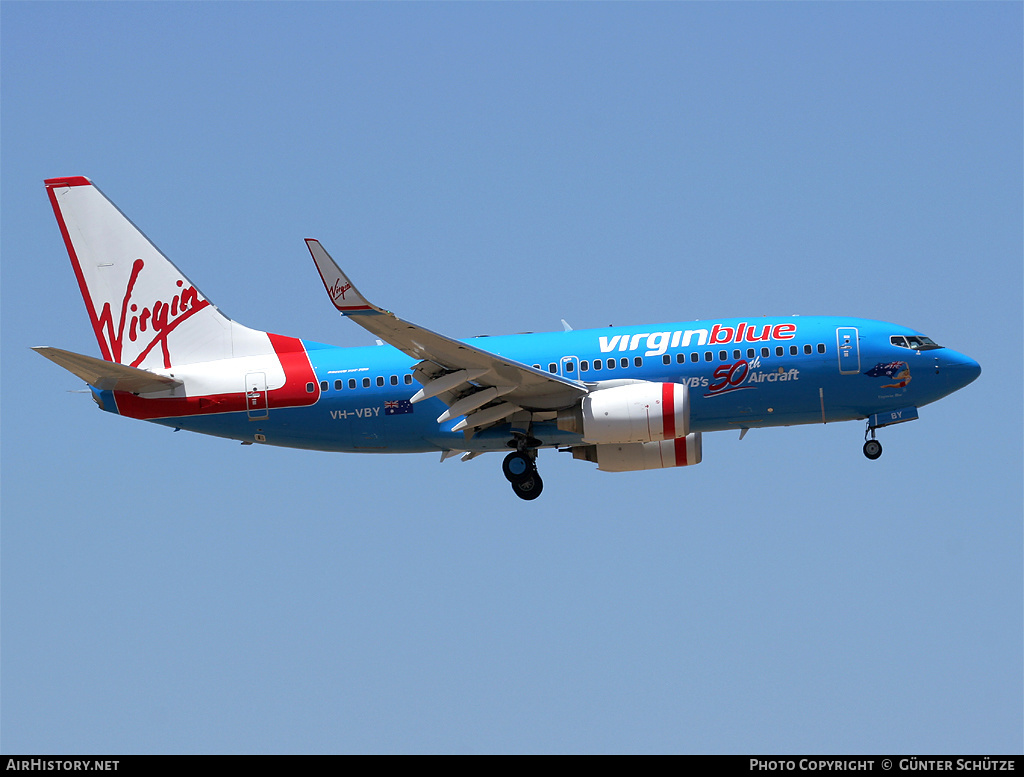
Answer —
397 407
889 369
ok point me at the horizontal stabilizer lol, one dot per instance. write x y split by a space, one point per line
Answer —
108 376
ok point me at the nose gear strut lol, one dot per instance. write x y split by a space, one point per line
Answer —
872 447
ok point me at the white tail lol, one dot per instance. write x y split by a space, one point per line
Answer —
144 311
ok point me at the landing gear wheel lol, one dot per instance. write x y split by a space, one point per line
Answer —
872 449
517 466
528 488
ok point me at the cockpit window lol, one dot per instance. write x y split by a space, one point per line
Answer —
914 342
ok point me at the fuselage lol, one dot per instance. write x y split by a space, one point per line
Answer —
624 398
740 373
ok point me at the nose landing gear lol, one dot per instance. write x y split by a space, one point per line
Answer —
520 469
872 447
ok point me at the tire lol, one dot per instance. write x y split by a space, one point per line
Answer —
872 449
517 466
528 488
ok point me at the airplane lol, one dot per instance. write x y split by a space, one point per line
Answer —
624 398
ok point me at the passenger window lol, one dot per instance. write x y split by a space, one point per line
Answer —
408 380
351 383
723 355
736 354
597 365
792 350
536 366
380 380
310 388
779 350
623 362
366 383
611 364
324 385
750 353
807 348
765 352
708 356
821 348
570 367
339 385
694 357
666 359
638 361
552 368
584 366
394 380
681 358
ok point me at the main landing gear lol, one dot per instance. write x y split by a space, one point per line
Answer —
520 469
872 447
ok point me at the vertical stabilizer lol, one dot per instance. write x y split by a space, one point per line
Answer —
144 311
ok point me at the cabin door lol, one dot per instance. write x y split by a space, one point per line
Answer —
256 395
849 350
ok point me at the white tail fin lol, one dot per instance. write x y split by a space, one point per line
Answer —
144 311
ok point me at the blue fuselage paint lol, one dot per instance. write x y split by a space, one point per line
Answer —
740 373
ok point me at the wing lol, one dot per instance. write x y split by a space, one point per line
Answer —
478 384
108 376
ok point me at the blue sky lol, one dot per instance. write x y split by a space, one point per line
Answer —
492 168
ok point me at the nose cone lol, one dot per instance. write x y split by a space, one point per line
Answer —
961 369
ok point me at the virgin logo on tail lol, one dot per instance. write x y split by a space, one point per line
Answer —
154 321
337 290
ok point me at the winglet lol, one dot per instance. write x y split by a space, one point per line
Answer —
343 294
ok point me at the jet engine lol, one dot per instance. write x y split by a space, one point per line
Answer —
634 413
631 457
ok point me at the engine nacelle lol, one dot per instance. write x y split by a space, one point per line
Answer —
638 412
630 457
